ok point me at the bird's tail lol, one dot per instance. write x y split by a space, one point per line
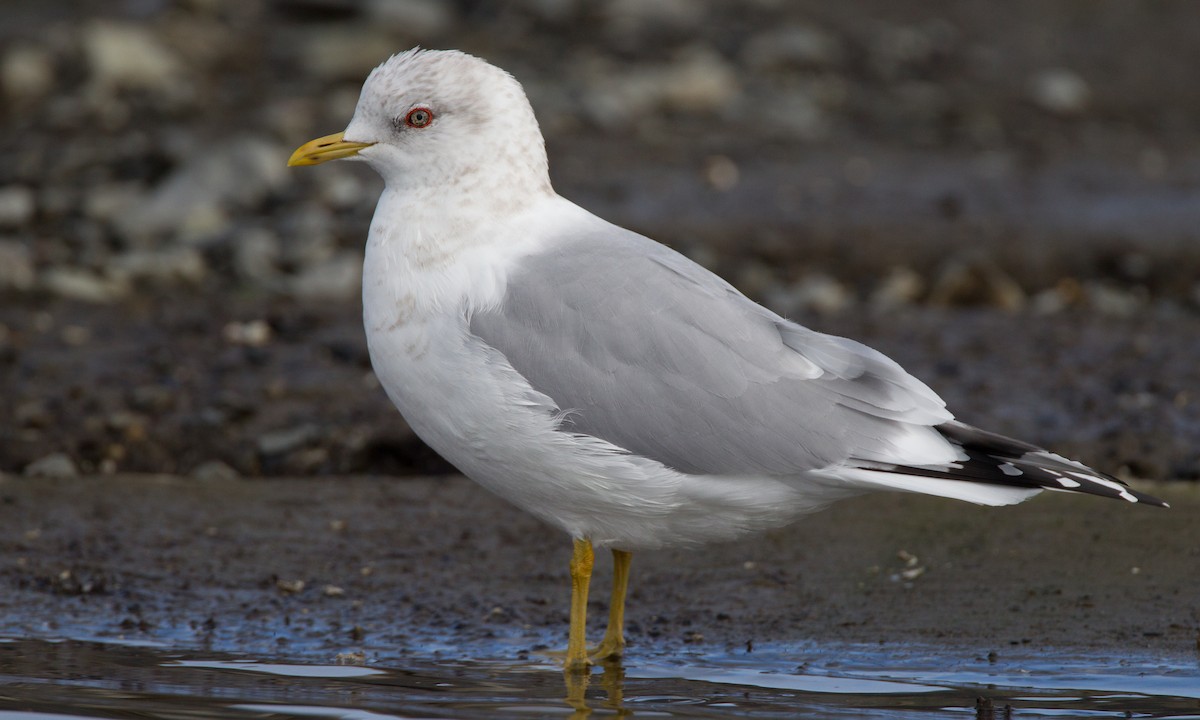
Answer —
994 459
991 469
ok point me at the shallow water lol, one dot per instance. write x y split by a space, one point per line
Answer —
45 679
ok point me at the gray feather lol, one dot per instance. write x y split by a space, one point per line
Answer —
645 349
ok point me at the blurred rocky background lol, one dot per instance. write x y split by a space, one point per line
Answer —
1003 196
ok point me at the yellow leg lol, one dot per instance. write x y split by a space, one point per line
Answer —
613 644
581 574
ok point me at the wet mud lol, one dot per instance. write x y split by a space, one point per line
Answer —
390 568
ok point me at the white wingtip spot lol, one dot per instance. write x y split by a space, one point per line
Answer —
1010 469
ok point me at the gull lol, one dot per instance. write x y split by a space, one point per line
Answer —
605 383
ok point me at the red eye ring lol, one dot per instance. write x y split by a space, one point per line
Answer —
418 117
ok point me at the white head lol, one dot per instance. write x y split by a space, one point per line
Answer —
442 120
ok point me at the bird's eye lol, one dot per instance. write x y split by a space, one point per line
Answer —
418 117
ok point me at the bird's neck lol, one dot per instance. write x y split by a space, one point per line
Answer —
445 248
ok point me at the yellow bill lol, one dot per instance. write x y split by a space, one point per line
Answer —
323 149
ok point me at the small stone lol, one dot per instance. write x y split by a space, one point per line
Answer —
792 47
552 11
975 281
26 73
333 591
192 201
797 113
75 335
342 190
345 54
697 80
256 255
340 278
1060 91
281 442
166 267
290 587
253 333
901 286
721 173
129 56
214 470
310 234
80 284
1115 301
16 205
630 19
33 414
16 266
815 292
55 465
350 658
107 202
151 398
419 18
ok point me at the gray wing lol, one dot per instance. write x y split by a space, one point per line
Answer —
647 350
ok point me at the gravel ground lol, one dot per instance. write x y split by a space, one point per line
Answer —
983 194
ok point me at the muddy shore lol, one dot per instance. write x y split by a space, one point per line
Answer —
309 568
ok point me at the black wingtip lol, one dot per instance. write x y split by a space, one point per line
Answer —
1028 465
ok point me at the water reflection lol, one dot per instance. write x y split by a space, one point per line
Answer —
40 679
611 682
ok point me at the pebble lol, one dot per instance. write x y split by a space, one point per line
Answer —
16 266
256 253
55 465
792 47
797 113
310 233
253 333
239 172
1116 301
339 278
343 190
281 442
33 414
627 21
975 281
552 11
416 18
721 173
815 292
697 80
290 587
900 287
345 54
26 74
17 205
129 56
214 470
79 284
163 267
108 201
1060 91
